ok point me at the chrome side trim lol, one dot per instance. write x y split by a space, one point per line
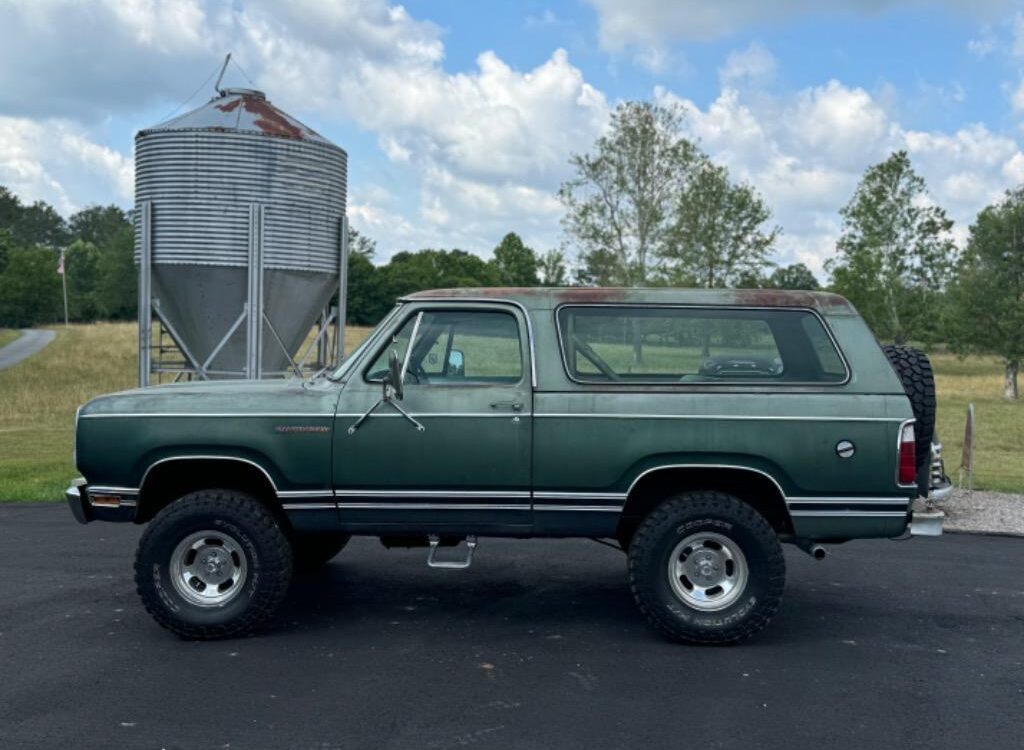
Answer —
589 508
445 414
208 415
429 506
579 495
848 513
736 417
706 466
326 492
308 506
485 300
207 458
832 500
433 493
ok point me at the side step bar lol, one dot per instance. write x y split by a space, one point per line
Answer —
450 564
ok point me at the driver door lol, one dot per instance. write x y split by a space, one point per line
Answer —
467 382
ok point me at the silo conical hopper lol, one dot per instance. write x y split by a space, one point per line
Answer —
233 176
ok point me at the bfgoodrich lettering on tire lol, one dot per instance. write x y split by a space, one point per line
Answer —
706 568
214 564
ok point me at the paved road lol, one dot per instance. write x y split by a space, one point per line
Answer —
31 341
914 644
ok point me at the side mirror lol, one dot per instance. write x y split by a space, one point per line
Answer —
456 363
393 378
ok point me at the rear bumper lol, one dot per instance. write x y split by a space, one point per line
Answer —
100 503
925 520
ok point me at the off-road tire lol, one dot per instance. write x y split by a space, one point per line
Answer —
688 513
915 372
313 551
257 533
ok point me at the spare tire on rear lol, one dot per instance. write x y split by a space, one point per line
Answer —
915 373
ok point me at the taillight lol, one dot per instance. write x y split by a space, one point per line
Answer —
908 464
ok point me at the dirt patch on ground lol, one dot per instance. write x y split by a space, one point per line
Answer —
984 512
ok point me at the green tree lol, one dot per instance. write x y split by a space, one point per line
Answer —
98 224
718 237
620 204
895 252
409 272
35 224
360 244
116 291
796 276
552 268
985 314
6 243
367 302
515 263
81 264
30 288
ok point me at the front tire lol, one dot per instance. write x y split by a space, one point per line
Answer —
214 564
706 568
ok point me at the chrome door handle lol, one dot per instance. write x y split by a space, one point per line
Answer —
513 405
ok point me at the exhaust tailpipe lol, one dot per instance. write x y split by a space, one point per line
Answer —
811 548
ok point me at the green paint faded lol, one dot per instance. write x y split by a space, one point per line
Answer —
543 456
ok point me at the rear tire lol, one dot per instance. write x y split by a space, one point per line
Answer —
915 372
214 564
313 551
706 568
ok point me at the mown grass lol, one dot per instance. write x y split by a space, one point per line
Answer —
7 336
38 399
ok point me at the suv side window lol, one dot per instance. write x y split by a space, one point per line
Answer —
454 347
622 344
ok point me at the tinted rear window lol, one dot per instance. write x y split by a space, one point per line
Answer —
697 345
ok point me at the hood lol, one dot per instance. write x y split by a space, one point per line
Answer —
221 397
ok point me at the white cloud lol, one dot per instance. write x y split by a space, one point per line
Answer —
54 161
805 153
487 147
623 23
751 64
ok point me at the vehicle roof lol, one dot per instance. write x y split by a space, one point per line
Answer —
825 303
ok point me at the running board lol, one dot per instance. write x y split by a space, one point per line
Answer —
450 564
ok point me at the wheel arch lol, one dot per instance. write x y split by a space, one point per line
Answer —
167 479
756 487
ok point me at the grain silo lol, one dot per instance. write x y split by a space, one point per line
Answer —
240 241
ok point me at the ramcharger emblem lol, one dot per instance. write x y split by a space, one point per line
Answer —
290 428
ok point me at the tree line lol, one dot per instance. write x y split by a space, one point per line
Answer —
645 206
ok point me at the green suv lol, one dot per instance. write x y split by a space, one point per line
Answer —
696 430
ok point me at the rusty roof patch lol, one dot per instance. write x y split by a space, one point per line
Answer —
547 297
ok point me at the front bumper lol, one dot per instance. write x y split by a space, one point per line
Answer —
76 497
100 503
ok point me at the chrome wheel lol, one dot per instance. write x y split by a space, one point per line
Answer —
707 571
208 568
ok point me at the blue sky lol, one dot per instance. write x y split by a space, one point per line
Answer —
459 117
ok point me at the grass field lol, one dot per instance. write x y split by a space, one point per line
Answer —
38 399
7 336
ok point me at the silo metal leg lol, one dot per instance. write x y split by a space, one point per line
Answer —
342 291
254 332
145 292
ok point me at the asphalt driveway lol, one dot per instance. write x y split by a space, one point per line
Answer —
884 644
31 341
